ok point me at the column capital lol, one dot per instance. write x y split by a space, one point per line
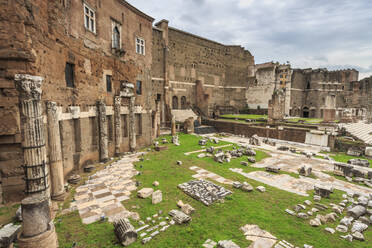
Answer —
51 106
29 86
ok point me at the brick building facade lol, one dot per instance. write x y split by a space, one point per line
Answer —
82 56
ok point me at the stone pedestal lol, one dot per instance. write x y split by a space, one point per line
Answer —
37 229
117 125
102 124
55 154
173 127
33 134
132 125
329 115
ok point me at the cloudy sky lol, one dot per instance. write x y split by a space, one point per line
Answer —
334 34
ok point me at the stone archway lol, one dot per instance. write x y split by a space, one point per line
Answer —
175 102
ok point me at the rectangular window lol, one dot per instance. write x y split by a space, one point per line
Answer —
108 83
140 46
89 18
138 124
69 75
139 87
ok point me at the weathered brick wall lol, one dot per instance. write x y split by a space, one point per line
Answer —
224 71
289 134
38 37
310 89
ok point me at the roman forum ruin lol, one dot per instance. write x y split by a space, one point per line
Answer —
119 130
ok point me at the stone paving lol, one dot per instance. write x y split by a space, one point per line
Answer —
260 238
102 194
204 174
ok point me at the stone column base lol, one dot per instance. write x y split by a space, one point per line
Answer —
47 239
60 197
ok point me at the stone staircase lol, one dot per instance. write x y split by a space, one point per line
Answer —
205 130
182 114
361 131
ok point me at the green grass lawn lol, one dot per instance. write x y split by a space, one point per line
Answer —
306 120
217 222
7 213
245 116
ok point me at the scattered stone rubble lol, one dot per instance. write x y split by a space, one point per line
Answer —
255 140
179 217
186 208
157 197
305 170
145 192
323 191
359 162
204 191
227 244
357 220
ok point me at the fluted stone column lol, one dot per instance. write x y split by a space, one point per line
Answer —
117 107
132 125
102 124
55 154
33 134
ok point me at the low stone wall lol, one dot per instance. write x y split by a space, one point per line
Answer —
289 134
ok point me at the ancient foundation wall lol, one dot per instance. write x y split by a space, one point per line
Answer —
289 134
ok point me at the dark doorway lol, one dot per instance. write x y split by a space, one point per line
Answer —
183 102
305 112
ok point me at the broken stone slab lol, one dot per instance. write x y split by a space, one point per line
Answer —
359 162
247 187
307 202
302 216
261 189
227 244
331 217
251 160
315 222
362 200
348 237
365 220
179 217
305 171
237 185
317 198
202 155
358 227
145 192
322 218
187 209
358 236
8 234
341 228
290 212
125 232
273 168
356 211
330 230
157 197
255 140
346 221
74 179
322 190
209 244
321 206
146 240
203 142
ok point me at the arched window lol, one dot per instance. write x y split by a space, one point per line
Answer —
175 102
183 102
305 112
116 38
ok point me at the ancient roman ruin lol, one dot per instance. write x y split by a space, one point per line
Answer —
91 89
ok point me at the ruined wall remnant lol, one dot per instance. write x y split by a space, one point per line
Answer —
276 111
181 60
